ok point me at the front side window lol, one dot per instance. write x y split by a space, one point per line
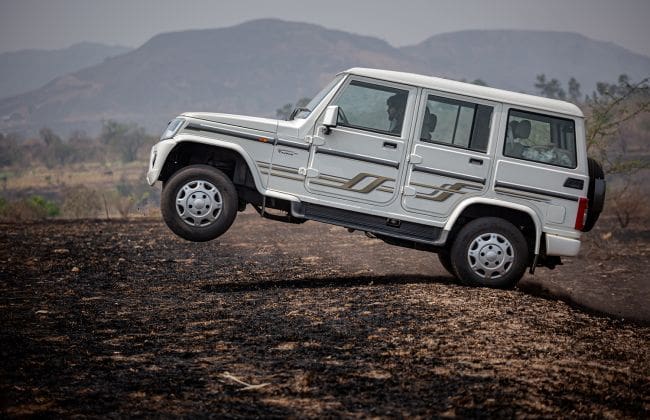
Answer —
541 138
456 123
372 107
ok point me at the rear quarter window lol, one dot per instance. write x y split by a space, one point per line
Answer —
540 138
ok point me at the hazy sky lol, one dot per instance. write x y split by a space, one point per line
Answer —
50 24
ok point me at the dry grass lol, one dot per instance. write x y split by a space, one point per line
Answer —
92 175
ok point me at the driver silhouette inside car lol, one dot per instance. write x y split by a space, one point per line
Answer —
396 109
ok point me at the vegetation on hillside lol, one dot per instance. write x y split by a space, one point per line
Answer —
96 158
618 128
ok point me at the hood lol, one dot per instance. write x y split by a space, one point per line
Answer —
262 124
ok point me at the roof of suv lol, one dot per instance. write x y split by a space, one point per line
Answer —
483 92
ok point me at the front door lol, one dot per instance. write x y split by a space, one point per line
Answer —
362 156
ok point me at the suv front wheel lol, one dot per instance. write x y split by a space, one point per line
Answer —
490 252
199 203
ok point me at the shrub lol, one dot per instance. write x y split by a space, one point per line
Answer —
49 208
32 208
81 202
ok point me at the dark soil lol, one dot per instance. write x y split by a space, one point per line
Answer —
107 318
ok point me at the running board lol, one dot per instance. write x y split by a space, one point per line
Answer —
368 223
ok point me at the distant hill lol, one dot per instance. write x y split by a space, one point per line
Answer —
511 59
25 70
258 66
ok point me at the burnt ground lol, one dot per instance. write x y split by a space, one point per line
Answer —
121 318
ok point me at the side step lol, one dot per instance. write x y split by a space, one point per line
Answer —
368 223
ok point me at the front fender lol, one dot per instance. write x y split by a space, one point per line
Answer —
164 148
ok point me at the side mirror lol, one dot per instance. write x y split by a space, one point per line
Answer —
331 117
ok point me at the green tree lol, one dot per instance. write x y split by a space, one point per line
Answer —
10 153
574 90
124 139
86 148
56 152
549 88
606 109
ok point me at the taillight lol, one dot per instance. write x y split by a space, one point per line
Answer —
581 217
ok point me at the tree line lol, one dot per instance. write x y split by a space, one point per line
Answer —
608 110
616 114
116 141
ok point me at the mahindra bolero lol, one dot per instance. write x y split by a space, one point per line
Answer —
493 181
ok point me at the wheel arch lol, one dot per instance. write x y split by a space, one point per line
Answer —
223 155
517 214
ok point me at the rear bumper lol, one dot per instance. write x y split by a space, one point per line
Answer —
561 245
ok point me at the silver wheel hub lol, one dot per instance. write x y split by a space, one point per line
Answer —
199 203
490 255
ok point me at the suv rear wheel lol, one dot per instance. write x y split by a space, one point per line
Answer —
199 203
489 252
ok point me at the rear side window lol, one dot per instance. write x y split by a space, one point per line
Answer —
456 123
541 138
372 107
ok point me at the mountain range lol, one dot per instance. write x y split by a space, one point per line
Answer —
25 70
256 67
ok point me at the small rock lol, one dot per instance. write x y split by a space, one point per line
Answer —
75 269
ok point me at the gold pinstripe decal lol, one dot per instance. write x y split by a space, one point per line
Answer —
440 192
443 192
331 180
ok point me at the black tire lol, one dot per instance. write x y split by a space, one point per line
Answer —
445 260
489 252
595 194
199 203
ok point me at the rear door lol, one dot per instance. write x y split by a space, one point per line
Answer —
449 160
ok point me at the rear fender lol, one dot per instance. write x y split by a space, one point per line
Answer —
453 218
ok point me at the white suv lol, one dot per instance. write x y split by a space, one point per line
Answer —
490 180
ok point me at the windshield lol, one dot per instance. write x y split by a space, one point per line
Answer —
319 97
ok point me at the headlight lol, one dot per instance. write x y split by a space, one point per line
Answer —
172 128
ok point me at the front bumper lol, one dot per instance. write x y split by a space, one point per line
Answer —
157 159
